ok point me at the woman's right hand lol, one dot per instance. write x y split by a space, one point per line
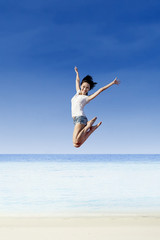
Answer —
76 69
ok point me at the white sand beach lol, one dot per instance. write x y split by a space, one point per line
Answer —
127 227
83 198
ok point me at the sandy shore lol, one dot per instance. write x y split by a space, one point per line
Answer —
84 228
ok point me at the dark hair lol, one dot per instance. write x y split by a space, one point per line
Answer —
88 79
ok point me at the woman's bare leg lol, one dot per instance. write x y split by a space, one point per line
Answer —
82 132
77 129
88 133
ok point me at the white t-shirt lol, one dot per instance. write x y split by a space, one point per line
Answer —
78 102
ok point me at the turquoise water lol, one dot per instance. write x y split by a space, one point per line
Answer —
79 184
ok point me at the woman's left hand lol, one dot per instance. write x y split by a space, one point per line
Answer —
116 81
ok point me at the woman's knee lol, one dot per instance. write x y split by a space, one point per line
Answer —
76 143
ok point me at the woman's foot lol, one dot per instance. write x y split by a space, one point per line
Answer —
90 123
93 128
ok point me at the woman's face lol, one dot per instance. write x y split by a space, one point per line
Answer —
85 87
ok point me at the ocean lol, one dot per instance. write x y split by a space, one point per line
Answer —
79 184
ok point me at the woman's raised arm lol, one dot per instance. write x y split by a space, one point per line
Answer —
115 81
77 79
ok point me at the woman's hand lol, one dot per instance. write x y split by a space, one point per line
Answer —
76 69
77 79
116 81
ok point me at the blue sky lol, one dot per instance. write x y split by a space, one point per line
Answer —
41 42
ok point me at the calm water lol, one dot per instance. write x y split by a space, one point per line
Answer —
78 184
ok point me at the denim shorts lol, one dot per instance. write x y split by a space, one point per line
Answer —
80 119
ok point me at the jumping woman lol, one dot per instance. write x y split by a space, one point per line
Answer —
84 128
